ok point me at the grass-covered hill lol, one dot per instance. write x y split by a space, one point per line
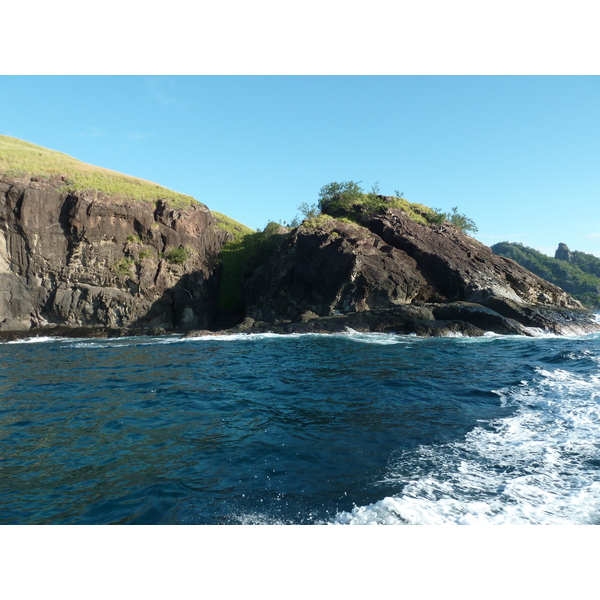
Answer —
580 277
19 158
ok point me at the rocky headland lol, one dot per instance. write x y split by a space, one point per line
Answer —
90 263
393 274
94 263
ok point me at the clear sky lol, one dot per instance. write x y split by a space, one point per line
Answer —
518 154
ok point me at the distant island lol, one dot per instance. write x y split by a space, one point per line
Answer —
85 251
575 272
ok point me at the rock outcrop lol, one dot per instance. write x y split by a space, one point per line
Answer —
563 252
390 266
88 260
88 264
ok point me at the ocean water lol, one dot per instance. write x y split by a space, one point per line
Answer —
344 429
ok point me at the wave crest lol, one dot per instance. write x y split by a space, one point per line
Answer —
537 466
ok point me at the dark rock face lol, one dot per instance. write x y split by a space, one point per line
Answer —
340 268
395 264
88 260
460 268
87 264
563 252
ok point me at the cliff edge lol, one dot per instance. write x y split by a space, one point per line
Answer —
86 259
388 272
88 251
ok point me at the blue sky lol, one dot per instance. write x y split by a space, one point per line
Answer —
518 154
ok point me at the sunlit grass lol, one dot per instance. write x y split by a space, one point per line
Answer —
20 158
417 212
237 229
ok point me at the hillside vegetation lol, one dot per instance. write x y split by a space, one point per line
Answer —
19 158
237 229
580 277
239 259
347 200
586 262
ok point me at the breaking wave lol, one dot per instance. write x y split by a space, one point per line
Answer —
539 466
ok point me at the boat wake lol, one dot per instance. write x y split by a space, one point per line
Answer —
541 465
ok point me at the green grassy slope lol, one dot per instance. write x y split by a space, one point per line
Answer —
23 159
583 285
226 223
20 158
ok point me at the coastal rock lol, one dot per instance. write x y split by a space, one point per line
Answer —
335 269
194 333
459 268
392 262
71 263
405 320
89 260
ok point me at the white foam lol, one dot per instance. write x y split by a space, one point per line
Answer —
236 337
537 466
256 518
567 332
381 339
350 334
92 344
34 340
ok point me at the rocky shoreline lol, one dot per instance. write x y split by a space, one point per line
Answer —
87 265
428 320
424 320
66 331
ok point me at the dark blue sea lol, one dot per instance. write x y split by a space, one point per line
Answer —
301 429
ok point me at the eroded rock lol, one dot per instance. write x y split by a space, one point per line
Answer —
89 260
391 262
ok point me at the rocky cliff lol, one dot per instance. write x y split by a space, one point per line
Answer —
89 260
108 265
563 252
390 273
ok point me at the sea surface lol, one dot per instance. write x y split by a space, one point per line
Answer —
344 429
